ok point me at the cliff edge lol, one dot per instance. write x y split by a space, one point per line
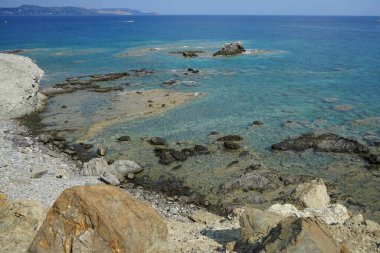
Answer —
19 84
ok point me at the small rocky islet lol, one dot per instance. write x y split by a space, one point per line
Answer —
177 217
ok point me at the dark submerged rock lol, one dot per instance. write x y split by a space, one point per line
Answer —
194 71
189 54
15 51
374 159
257 123
124 138
231 145
230 138
158 141
170 83
323 143
168 156
248 181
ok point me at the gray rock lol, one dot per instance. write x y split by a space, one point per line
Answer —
109 178
19 84
62 173
231 49
39 172
312 194
122 168
248 181
256 199
44 138
95 167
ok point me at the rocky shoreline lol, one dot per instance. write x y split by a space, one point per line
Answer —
36 175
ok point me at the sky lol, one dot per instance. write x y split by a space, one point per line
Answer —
217 7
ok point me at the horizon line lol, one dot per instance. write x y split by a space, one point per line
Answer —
174 14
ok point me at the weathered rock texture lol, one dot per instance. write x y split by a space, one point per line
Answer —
231 49
19 223
19 84
299 235
312 194
100 219
327 142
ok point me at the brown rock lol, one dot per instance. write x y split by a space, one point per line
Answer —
299 235
100 219
256 223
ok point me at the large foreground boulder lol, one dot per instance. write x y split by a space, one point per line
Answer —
231 49
299 235
327 142
19 84
100 219
19 223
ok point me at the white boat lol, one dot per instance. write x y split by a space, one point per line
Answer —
129 21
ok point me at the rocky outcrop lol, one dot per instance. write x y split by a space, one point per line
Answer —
299 235
95 167
247 182
312 194
256 224
111 174
327 142
19 223
100 219
335 214
231 49
19 84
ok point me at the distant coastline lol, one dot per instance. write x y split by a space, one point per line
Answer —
33 10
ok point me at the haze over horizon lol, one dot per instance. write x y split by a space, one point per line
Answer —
220 7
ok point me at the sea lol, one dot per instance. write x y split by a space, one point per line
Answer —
301 74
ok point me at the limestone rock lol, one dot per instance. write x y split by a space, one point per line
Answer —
19 223
100 219
299 235
336 214
109 178
312 194
372 226
256 223
39 172
95 167
62 173
19 84
122 168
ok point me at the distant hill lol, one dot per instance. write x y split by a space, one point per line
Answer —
32 10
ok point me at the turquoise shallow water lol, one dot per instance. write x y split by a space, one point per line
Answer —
307 60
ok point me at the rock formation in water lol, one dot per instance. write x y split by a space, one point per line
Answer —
327 142
19 83
231 49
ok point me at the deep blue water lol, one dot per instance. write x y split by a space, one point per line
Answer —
310 59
